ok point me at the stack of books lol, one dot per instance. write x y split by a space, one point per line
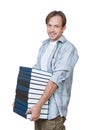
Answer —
31 84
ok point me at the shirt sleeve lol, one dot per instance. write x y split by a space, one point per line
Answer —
64 64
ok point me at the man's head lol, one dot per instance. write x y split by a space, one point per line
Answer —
56 24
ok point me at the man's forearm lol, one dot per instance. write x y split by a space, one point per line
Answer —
50 89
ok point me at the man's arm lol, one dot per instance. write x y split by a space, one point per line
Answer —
35 110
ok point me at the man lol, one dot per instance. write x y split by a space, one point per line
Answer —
58 56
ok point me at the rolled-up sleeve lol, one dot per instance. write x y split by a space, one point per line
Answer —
64 64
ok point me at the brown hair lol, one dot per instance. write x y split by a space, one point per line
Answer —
56 13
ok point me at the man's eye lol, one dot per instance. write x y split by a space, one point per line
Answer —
49 25
57 26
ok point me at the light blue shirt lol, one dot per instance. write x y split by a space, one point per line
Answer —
61 64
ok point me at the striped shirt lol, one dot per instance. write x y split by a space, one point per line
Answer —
61 63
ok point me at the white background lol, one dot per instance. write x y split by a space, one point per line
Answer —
22 29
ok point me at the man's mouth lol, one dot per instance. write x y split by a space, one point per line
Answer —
52 34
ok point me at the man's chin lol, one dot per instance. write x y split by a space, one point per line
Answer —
53 39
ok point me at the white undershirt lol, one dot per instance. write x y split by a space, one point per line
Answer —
45 57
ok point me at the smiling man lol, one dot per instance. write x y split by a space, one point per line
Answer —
58 56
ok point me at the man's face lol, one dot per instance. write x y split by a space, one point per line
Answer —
54 28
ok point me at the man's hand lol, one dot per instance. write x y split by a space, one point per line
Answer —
35 112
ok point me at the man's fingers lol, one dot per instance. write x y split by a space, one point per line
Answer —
28 112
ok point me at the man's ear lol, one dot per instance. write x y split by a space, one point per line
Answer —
64 28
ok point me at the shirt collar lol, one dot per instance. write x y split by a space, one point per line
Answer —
62 39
